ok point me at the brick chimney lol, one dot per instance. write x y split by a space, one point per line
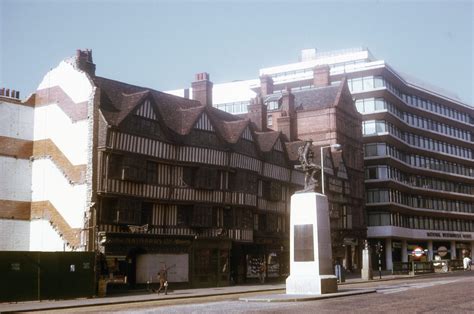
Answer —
287 123
321 76
287 102
257 113
84 61
202 89
266 85
5 92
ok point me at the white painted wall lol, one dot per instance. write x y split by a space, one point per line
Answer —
51 122
14 235
44 238
15 179
48 183
73 82
16 121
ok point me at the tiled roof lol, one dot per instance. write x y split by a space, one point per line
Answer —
292 149
118 99
317 98
266 140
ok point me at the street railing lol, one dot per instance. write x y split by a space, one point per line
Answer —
416 268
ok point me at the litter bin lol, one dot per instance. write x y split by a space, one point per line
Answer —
102 289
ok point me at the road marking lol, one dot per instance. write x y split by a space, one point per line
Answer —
418 285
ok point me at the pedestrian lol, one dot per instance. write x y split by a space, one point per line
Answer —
466 263
163 278
261 272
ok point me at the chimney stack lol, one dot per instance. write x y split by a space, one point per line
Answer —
5 92
266 85
84 61
202 89
257 113
287 123
321 76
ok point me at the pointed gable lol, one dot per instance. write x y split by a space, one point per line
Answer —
119 99
267 140
146 110
247 134
204 123
340 167
328 164
278 145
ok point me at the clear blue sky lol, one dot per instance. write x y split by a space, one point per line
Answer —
162 44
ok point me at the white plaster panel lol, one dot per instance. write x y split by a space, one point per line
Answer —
71 138
16 121
44 238
73 82
49 184
14 235
15 179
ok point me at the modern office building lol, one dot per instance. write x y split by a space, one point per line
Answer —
418 148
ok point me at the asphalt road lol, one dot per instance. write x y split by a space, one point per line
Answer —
449 293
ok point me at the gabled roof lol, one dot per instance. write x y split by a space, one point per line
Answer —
292 149
118 99
232 130
229 126
316 98
266 140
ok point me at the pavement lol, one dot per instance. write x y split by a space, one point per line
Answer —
344 290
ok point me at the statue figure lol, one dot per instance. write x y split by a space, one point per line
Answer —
305 156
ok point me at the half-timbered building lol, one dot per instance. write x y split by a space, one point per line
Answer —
149 179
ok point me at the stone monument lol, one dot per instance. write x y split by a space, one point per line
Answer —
311 268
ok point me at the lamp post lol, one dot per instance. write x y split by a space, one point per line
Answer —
336 147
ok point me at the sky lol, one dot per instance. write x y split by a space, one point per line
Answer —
163 44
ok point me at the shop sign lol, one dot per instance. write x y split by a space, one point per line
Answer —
442 251
449 235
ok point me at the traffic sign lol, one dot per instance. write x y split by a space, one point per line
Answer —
418 252
442 251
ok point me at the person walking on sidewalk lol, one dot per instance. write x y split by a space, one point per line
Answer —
163 278
261 272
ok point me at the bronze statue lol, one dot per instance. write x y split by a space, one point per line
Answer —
305 156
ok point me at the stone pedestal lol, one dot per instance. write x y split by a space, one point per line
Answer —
366 272
311 269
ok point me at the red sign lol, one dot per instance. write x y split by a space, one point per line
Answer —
418 252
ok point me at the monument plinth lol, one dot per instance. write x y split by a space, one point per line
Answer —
311 269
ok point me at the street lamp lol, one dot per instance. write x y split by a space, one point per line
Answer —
336 147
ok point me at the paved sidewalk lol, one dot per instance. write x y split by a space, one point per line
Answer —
176 294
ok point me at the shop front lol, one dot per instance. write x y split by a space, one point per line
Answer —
134 260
